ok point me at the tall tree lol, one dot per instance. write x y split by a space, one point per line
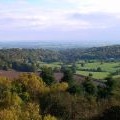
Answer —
68 76
47 75
89 87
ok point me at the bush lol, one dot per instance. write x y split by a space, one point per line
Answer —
49 117
57 104
112 113
47 75
89 87
75 89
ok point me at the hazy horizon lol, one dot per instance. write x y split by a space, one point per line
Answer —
50 44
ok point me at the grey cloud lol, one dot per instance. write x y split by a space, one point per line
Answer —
97 18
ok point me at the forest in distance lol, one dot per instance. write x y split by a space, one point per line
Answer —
60 84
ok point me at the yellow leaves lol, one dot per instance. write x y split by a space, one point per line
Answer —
33 83
4 80
31 112
11 99
5 83
14 93
5 94
28 112
16 100
59 87
49 117
31 78
8 114
45 90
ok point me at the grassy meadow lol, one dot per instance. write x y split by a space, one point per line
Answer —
106 68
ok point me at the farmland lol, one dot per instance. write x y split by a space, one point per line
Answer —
107 68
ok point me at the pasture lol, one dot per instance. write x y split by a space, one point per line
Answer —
106 68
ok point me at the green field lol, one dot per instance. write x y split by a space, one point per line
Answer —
97 75
109 67
52 65
106 67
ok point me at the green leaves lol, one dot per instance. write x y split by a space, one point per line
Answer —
47 75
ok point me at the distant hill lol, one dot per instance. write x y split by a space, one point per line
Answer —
106 52
73 54
111 52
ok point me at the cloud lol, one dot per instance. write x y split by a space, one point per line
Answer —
16 17
98 19
88 6
55 16
24 15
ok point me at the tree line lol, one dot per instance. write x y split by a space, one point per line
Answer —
27 59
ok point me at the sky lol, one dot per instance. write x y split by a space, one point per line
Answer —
60 20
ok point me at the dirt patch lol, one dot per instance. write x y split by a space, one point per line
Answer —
10 74
14 75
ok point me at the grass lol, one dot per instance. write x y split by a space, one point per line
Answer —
52 65
116 76
107 67
97 75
